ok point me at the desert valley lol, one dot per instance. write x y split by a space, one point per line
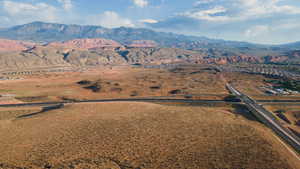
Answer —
137 99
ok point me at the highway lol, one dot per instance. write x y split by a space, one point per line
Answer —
160 99
278 101
152 100
267 118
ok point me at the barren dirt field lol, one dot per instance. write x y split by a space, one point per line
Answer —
117 82
138 135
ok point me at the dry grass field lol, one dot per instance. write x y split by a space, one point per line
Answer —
252 86
202 82
138 135
246 83
117 82
128 135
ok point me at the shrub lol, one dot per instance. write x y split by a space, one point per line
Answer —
177 91
96 87
84 82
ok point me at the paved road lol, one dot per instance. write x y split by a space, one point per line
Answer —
278 101
152 100
160 99
267 118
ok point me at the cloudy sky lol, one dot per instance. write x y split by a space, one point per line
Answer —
260 21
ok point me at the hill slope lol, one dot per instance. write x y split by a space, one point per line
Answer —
13 45
41 56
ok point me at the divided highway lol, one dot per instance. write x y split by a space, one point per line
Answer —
153 100
267 118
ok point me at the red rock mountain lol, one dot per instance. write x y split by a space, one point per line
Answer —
292 56
14 45
143 44
87 44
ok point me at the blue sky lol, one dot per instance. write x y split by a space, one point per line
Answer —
260 21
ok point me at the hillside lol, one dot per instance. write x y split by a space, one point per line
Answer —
13 45
17 54
86 44
292 56
41 56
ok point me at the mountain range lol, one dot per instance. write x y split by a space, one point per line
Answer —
45 45
49 32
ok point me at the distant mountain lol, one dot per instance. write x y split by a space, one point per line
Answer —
127 45
293 46
50 32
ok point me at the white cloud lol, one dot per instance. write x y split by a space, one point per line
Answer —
141 3
266 7
19 12
111 19
148 21
262 21
201 2
257 31
67 4
237 10
209 14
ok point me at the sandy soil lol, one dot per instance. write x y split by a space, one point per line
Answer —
139 135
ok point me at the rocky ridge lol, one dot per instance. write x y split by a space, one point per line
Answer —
97 52
7 45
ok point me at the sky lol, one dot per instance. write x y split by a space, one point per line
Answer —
258 21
